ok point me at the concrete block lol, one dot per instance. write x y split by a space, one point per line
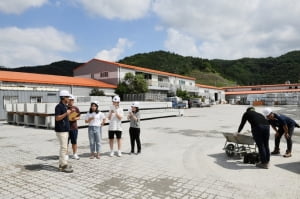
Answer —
40 108
29 108
50 121
40 121
20 119
14 107
20 107
8 107
29 120
11 118
50 108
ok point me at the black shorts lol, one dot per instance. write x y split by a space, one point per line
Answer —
111 134
73 136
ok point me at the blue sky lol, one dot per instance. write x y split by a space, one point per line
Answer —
34 32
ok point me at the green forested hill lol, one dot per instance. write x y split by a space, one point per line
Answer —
245 71
199 68
64 68
217 72
250 71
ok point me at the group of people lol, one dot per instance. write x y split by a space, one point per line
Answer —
67 114
260 128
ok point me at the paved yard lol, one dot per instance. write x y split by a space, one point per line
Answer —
182 157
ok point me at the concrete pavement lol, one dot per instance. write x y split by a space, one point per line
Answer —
182 157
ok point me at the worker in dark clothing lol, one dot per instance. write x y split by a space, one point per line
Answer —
281 125
260 129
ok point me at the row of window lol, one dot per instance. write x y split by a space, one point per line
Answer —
147 76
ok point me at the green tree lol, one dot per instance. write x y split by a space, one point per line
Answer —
183 94
97 92
132 84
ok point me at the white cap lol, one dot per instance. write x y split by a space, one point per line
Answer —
116 99
267 111
135 104
95 102
64 93
72 97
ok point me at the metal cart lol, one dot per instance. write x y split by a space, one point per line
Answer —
239 144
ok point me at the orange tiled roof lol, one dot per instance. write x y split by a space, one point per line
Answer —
260 86
8 76
207 86
136 68
260 92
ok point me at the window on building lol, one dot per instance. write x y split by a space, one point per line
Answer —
162 79
147 76
104 74
35 99
51 94
9 100
181 82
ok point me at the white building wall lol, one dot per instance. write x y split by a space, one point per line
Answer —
123 71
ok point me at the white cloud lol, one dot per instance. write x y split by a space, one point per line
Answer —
181 44
19 6
230 29
33 46
120 9
114 53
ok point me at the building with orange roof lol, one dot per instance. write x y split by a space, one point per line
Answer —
19 87
214 94
277 94
113 73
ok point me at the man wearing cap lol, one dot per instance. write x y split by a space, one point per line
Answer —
281 125
115 116
260 129
62 127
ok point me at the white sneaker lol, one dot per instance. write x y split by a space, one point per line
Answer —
111 154
119 153
75 156
66 157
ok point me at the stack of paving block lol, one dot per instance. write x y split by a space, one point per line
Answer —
41 115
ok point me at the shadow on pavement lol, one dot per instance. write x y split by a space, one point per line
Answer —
40 167
46 158
233 163
292 166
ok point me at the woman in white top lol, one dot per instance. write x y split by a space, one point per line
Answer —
115 116
96 120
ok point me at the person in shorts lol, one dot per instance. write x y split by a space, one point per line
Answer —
73 133
115 116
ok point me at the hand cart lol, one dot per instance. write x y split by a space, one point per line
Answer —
242 145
